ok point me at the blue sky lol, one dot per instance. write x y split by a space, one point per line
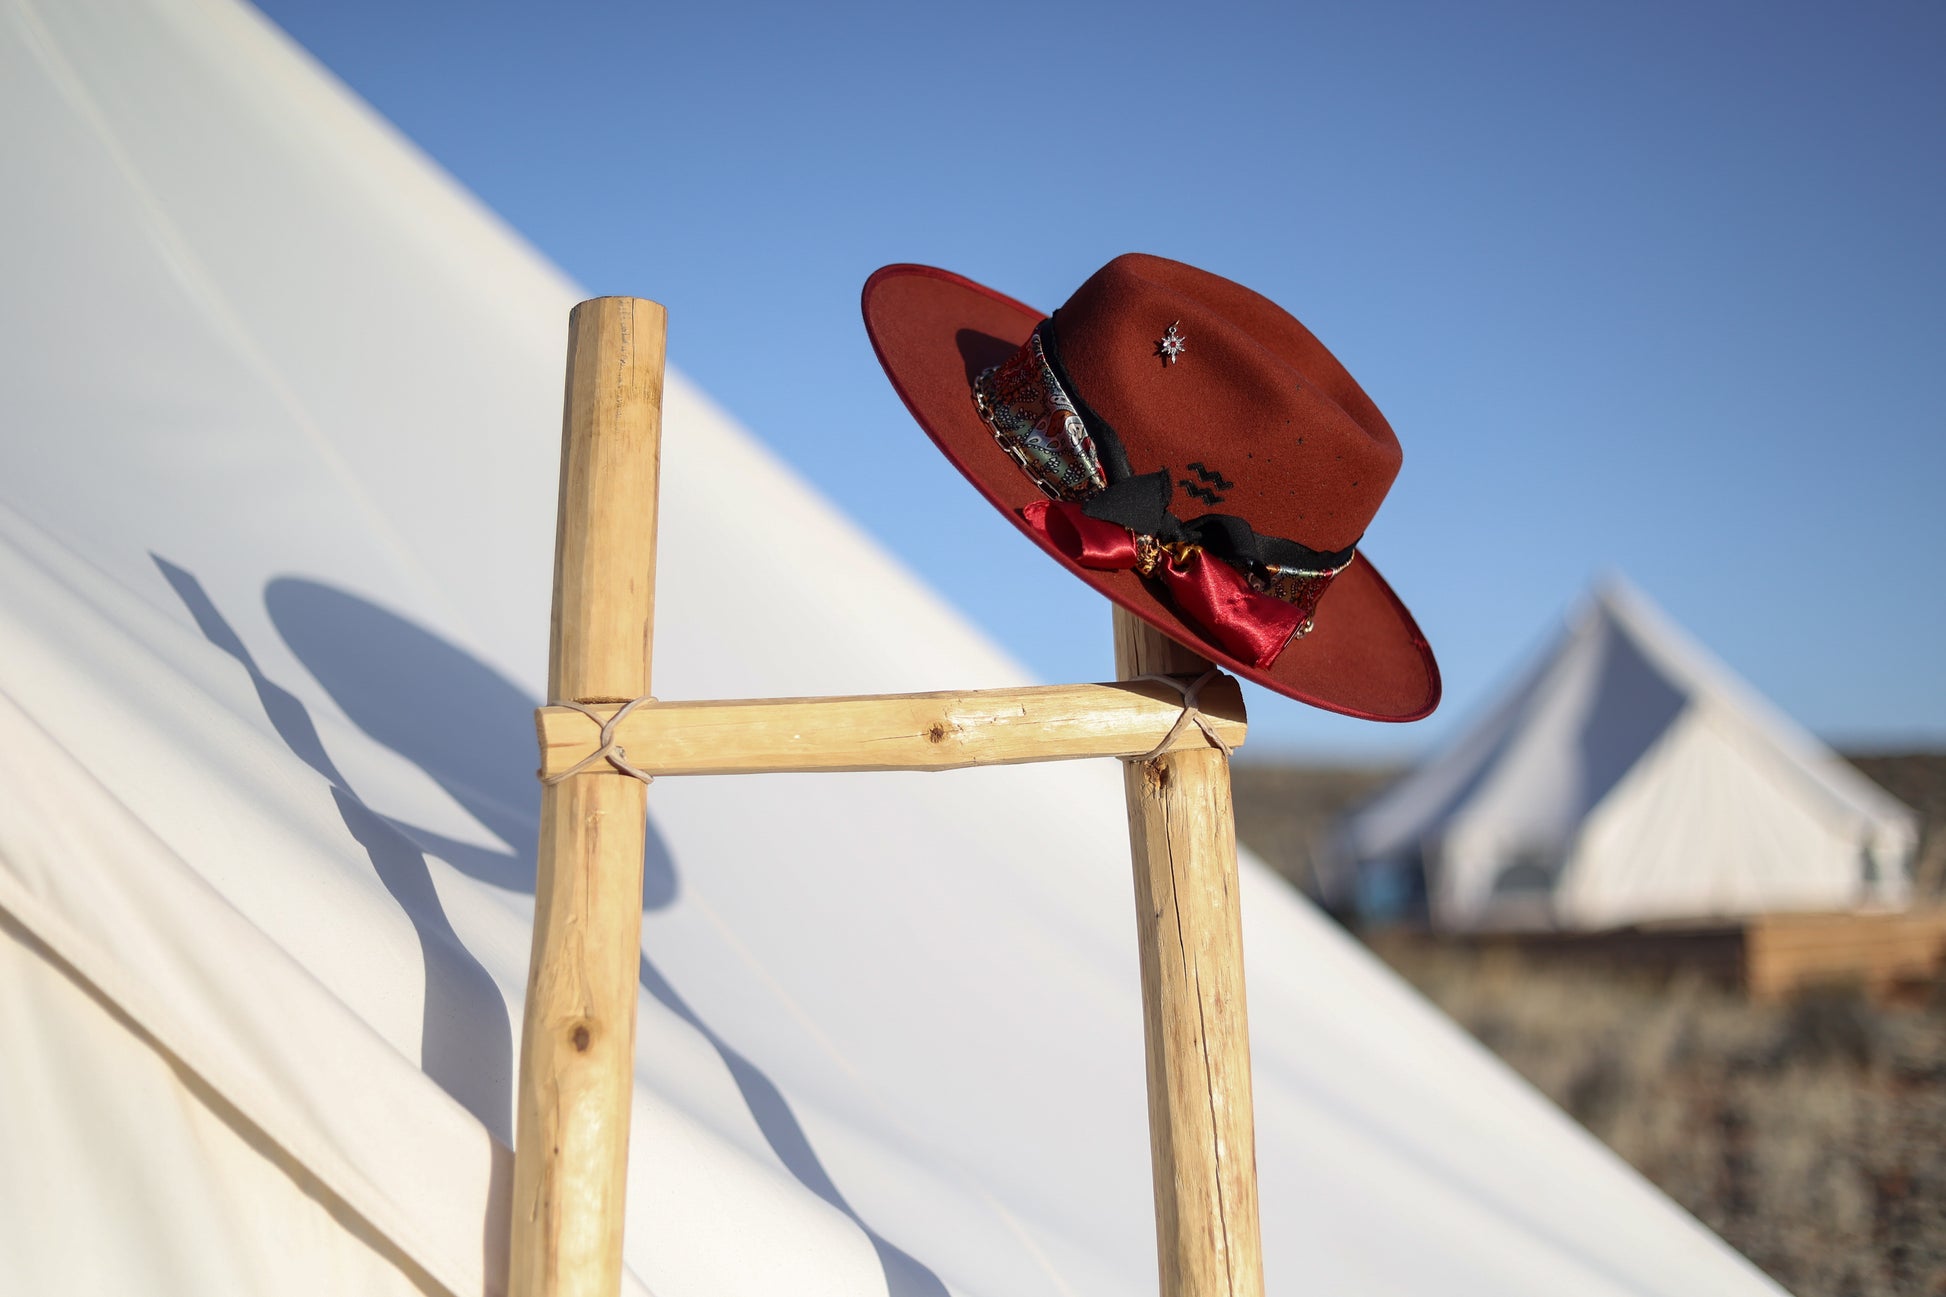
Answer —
1657 289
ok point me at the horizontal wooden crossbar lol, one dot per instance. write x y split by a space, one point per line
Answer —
931 731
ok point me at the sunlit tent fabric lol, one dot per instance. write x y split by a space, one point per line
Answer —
1627 777
279 412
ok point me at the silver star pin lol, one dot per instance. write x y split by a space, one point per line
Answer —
1173 344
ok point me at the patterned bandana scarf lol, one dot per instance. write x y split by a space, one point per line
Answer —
1252 594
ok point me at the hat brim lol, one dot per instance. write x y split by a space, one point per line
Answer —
935 331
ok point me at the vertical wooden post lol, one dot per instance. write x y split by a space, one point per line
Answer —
577 1052
1202 1133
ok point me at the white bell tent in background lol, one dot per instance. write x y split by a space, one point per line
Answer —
1627 777
279 419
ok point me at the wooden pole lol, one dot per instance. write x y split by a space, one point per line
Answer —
929 731
578 1042
1202 1133
577 1053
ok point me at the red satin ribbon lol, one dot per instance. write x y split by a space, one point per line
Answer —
1210 594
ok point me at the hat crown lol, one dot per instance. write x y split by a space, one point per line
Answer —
1252 417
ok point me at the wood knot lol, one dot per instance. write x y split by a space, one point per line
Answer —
580 1038
937 734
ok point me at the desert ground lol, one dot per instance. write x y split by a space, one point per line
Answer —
1810 1134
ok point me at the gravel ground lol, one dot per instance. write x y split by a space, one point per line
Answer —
1811 1136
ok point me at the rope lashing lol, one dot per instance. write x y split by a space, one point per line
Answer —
610 751
1191 713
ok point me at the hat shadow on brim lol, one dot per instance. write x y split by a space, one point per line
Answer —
935 332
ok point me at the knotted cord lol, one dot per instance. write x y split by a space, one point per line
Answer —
609 751
1191 713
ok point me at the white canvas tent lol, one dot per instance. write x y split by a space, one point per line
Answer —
1627 777
278 420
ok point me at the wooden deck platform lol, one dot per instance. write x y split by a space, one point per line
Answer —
1885 953
1772 956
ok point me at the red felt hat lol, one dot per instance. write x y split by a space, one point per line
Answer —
1187 448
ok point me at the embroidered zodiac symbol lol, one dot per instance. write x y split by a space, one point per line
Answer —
1209 475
